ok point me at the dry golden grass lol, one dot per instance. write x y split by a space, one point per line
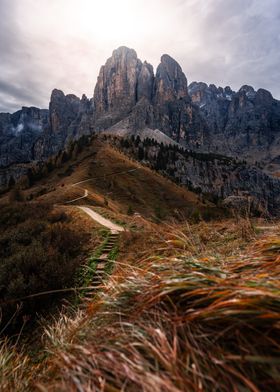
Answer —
188 307
184 314
15 369
142 190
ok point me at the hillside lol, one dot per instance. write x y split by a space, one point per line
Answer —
130 98
139 248
171 304
215 177
116 182
185 308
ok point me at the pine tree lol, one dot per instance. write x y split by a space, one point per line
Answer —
140 153
11 182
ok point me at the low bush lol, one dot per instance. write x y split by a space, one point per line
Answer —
176 321
38 253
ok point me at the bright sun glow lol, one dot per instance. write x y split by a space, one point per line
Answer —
106 22
63 43
112 20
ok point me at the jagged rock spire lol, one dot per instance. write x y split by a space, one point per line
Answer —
170 82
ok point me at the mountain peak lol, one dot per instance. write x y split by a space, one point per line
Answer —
115 91
123 51
56 93
171 82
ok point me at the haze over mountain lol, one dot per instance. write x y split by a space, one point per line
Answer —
130 99
62 43
139 195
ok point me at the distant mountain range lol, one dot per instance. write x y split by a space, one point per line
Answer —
129 99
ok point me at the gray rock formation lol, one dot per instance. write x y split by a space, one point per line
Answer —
69 119
174 113
214 176
122 82
145 82
170 82
244 124
64 110
129 98
18 133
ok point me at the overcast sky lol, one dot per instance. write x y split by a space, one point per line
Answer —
46 44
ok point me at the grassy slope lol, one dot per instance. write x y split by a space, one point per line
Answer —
42 247
186 309
143 190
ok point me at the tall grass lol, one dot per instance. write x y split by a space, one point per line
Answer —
15 374
176 321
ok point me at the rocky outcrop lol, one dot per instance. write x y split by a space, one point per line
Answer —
63 110
18 133
145 82
33 134
155 102
66 112
129 98
172 110
213 104
170 82
69 118
240 124
200 117
213 176
253 124
122 82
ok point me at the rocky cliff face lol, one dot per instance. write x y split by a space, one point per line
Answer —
121 83
34 134
69 119
18 133
64 110
174 113
200 117
128 96
170 82
127 91
213 176
244 123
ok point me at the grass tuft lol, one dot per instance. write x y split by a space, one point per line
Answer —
189 308
178 318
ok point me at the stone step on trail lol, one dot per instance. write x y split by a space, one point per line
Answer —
96 282
100 266
103 257
100 276
101 260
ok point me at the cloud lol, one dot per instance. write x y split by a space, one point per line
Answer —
62 43
237 43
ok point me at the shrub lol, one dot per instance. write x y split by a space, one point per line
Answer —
130 210
16 195
38 253
176 323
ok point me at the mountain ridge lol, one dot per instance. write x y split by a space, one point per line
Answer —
192 115
130 98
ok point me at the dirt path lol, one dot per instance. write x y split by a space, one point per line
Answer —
79 198
103 259
105 176
101 220
267 228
